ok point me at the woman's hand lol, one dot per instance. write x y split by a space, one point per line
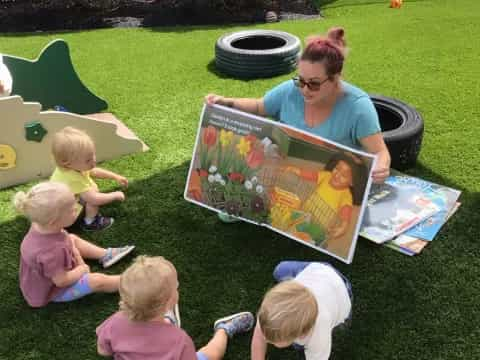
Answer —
211 99
380 173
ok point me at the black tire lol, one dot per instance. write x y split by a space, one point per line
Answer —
256 53
402 130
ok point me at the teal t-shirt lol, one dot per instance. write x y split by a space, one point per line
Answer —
353 116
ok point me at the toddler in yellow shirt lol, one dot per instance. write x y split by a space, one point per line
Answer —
74 154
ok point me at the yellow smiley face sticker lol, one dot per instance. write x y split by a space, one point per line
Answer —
7 157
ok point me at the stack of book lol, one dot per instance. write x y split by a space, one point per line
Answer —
406 213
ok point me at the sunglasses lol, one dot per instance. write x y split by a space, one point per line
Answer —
312 85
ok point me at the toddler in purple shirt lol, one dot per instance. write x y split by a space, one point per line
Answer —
52 266
140 330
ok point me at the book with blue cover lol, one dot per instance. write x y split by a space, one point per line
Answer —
445 198
396 206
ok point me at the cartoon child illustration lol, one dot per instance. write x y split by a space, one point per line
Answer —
339 186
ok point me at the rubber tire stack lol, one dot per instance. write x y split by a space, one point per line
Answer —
254 54
402 130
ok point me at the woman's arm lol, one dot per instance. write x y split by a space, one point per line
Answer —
251 105
375 144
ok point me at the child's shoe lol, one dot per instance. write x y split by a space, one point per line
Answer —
99 223
173 316
235 324
113 255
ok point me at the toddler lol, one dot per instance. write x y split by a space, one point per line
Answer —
140 330
52 268
74 154
303 309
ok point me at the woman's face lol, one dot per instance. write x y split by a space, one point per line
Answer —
342 176
314 74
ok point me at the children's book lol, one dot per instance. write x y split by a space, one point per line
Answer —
445 198
410 245
396 206
307 188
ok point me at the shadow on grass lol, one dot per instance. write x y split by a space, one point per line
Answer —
227 268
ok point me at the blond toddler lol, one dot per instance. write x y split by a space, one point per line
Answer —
52 266
74 154
302 310
140 330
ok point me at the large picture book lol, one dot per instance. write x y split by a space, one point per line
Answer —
396 206
305 187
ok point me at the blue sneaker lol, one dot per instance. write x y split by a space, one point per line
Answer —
227 219
235 324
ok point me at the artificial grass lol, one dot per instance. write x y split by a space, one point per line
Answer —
424 307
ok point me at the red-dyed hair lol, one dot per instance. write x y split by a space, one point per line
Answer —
329 50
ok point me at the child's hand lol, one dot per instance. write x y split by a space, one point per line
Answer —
85 268
121 180
78 257
119 195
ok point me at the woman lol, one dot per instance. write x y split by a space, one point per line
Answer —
319 102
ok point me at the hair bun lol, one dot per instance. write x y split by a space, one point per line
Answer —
337 36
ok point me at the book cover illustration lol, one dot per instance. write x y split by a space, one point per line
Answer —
410 245
394 207
302 186
444 197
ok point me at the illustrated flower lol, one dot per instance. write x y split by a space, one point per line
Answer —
254 180
266 142
234 176
222 182
211 178
218 177
251 138
248 185
257 204
259 189
243 146
232 207
212 169
225 137
255 158
209 136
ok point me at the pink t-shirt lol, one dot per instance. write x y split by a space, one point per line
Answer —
145 340
42 256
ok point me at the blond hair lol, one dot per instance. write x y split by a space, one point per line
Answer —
70 144
146 287
45 202
288 312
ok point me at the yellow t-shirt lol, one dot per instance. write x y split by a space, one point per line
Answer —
335 199
78 182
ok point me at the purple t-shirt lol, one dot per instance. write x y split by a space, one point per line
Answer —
144 340
42 257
